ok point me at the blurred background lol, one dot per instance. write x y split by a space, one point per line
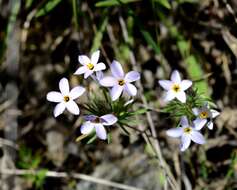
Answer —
40 41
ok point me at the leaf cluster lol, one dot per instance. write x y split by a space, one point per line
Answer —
194 100
28 160
101 105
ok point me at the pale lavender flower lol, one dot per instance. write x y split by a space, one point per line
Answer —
187 133
65 98
205 115
120 82
90 65
175 87
97 123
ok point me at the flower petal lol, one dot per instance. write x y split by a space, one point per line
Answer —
185 142
81 70
132 76
72 107
76 92
195 111
181 96
116 92
109 119
184 121
87 127
185 84
130 89
166 84
59 109
108 81
54 96
83 59
90 117
214 113
99 67
117 70
170 95
88 73
99 75
64 86
93 77
197 137
199 123
175 77
100 131
95 57
210 125
175 132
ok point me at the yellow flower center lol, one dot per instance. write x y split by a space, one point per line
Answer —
66 98
203 115
176 88
187 130
121 82
90 66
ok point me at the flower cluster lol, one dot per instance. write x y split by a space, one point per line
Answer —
190 125
194 112
119 83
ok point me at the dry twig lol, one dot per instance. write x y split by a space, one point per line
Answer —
54 174
155 142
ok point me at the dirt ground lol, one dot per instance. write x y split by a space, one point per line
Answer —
40 42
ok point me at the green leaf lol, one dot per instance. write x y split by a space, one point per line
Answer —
162 178
28 3
184 47
109 138
35 161
204 170
150 41
49 6
92 139
139 111
195 71
164 3
149 150
99 35
109 3
40 178
187 1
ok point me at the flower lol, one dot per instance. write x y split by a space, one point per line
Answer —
98 76
187 133
120 82
89 65
97 123
65 98
175 87
204 116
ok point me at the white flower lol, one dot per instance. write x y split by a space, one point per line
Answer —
120 82
186 133
89 65
175 87
204 116
65 98
97 123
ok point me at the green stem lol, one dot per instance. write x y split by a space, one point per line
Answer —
75 13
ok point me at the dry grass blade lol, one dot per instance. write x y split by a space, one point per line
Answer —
231 41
